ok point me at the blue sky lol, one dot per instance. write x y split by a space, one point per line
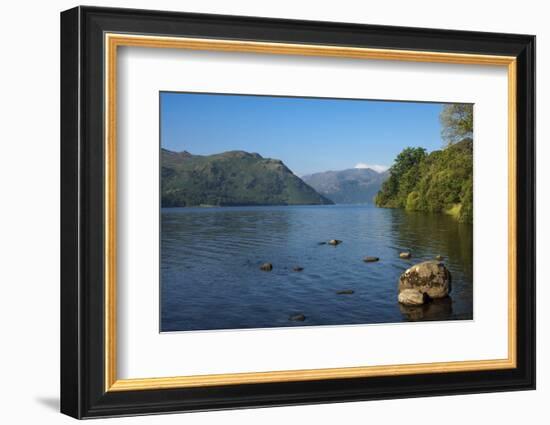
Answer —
308 134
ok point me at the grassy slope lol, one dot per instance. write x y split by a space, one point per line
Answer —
231 178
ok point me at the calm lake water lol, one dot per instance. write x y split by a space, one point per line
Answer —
210 258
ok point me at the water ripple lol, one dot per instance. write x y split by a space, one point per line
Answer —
210 258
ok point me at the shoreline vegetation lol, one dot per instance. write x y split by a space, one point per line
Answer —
438 182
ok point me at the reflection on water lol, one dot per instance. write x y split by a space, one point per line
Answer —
210 258
440 309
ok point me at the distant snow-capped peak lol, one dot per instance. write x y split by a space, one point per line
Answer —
376 167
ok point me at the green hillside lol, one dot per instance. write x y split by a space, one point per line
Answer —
441 181
230 179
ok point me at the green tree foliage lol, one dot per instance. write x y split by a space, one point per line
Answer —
404 176
441 181
467 197
438 182
457 122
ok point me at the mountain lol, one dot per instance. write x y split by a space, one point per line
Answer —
353 186
230 179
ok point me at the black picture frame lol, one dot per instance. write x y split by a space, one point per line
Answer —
83 392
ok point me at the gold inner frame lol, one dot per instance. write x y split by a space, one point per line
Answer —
113 41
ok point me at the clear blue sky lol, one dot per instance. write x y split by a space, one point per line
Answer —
308 134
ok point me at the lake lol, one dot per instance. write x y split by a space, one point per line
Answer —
210 259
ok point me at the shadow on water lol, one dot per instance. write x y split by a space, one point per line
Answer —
428 235
440 309
422 232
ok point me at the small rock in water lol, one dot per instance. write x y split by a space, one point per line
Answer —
439 257
266 267
298 269
370 259
405 255
297 318
412 297
345 292
334 242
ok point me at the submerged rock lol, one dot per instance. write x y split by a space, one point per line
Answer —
298 269
297 317
345 292
370 259
431 278
334 242
406 255
266 267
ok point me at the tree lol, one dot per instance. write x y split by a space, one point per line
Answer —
404 175
457 122
441 181
407 158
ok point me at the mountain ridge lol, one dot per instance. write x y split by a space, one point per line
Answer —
352 185
232 178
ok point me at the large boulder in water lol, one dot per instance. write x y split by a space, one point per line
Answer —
430 277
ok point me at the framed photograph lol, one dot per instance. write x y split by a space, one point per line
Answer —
261 212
